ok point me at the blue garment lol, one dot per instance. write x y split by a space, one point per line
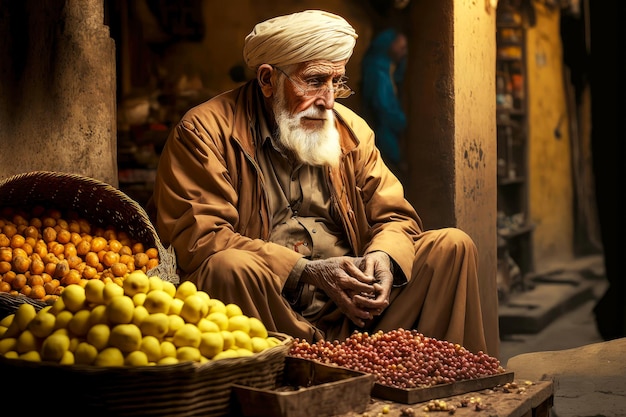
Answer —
381 106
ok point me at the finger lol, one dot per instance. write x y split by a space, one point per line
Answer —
355 272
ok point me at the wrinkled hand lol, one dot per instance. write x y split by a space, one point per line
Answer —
377 265
359 287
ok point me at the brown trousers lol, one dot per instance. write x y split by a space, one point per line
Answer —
441 300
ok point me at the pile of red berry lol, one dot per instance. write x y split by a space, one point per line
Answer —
401 358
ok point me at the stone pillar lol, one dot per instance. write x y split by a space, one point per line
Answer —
57 89
452 130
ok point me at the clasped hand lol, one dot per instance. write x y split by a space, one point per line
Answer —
360 287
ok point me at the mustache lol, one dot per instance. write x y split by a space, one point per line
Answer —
315 113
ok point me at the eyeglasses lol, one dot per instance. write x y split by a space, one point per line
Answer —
316 87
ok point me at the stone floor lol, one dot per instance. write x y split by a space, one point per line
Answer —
589 374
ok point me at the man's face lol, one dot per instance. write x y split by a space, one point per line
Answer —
306 124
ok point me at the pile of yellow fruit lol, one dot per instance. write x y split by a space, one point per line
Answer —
147 321
44 250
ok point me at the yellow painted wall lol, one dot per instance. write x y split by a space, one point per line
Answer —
550 173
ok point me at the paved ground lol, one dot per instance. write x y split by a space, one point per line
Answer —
563 314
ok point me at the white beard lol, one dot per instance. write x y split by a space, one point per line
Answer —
317 147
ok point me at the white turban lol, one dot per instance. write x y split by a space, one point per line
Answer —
299 37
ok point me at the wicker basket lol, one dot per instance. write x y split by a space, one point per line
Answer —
99 203
185 389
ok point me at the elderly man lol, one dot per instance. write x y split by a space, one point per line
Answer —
275 198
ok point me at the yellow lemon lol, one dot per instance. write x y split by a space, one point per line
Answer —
6 321
168 349
194 308
111 290
175 323
94 291
211 343
79 323
151 346
139 315
228 353
187 335
233 310
185 289
98 315
57 306
204 295
74 297
244 352
125 337
156 325
273 341
157 301
62 319
23 315
120 310
42 324
259 344
257 328
188 353
139 298
239 322
176 306
54 347
221 319
206 325
229 339
156 283
216 305
111 356
11 355
167 360
74 342
32 356
67 358
8 344
136 358
85 354
169 288
136 282
98 336
242 339
26 341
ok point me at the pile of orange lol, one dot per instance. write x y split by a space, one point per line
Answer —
43 250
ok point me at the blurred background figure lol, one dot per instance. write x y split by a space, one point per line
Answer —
383 69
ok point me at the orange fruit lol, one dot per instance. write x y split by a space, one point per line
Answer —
98 244
89 272
31 231
37 266
115 245
19 282
4 240
138 248
72 277
49 234
5 286
63 236
152 253
5 267
6 254
36 222
17 241
26 290
40 248
92 259
37 292
51 286
9 230
110 258
21 264
141 260
119 269
83 247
